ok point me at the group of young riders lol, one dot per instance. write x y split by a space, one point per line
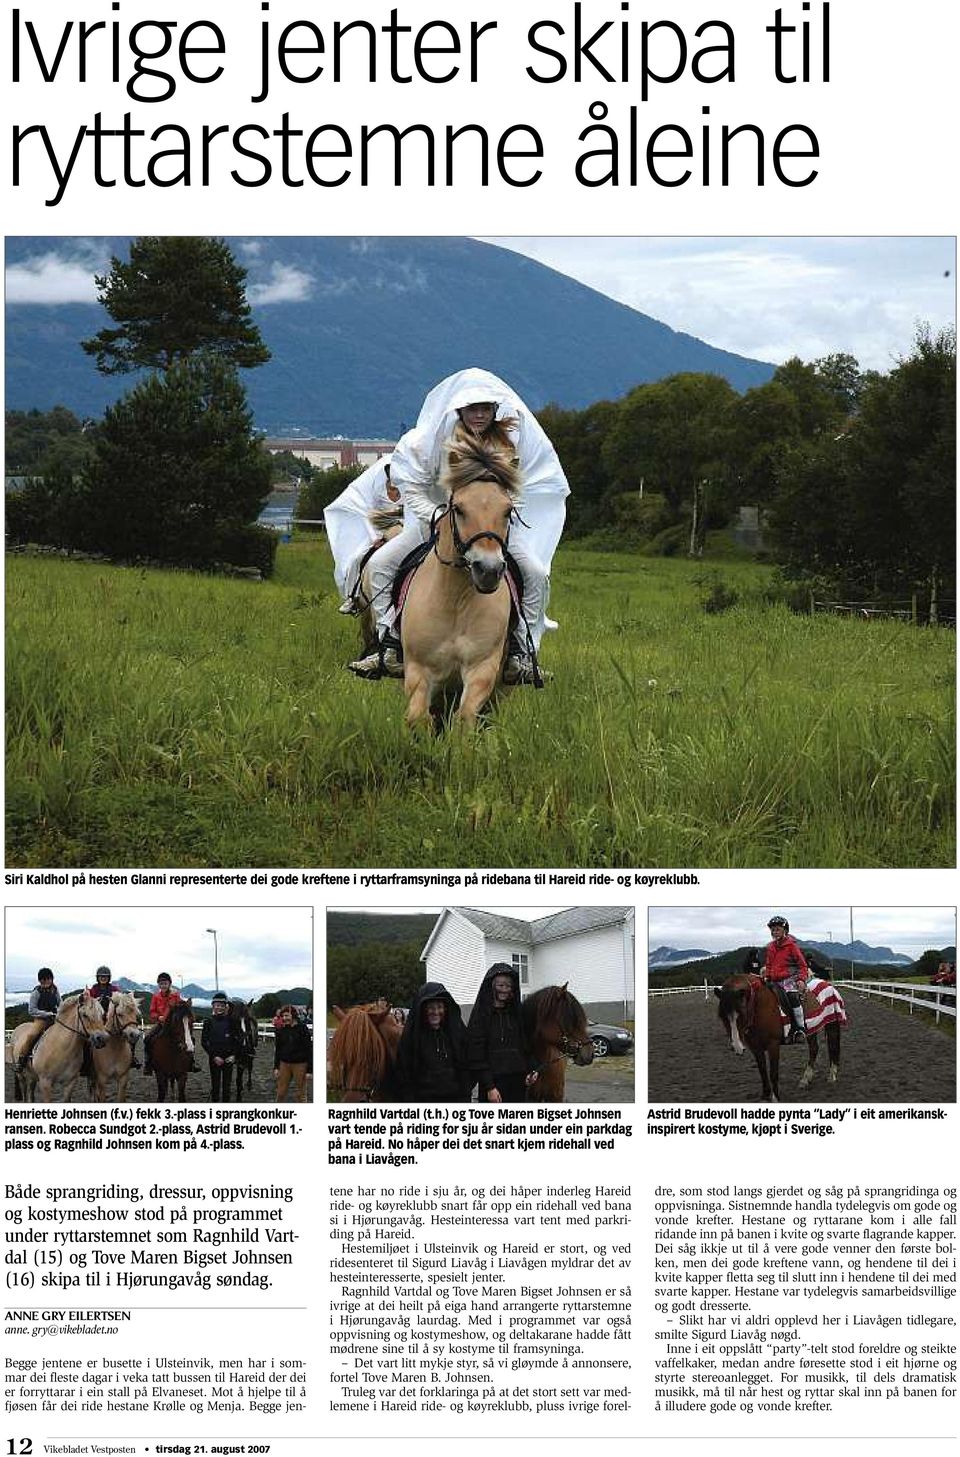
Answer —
471 408
219 1037
440 1059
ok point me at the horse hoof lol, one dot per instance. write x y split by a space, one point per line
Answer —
833 1075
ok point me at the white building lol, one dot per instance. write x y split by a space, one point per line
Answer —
589 947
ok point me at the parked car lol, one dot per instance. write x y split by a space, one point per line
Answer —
608 1040
945 975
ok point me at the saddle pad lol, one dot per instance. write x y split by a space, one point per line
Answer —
822 1005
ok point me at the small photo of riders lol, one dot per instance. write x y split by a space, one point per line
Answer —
809 1004
174 1004
459 1004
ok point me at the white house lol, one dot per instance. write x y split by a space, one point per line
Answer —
590 947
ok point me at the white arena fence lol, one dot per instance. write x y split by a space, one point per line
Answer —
941 1001
677 991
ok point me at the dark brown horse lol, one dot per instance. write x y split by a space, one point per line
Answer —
555 1027
172 1050
362 1053
247 1035
749 1011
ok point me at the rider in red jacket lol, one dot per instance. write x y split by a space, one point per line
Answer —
786 971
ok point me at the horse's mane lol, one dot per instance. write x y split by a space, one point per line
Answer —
553 1004
469 457
360 1049
385 518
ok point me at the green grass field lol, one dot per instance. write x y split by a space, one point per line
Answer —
163 718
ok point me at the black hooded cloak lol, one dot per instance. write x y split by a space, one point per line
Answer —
432 1064
496 1046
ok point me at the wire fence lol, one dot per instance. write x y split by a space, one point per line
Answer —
903 610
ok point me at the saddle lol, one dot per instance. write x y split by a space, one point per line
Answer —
412 563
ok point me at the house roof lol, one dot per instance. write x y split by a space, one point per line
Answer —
547 928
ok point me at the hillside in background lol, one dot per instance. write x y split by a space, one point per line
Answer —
361 328
717 968
355 928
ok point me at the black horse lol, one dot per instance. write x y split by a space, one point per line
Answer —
246 1035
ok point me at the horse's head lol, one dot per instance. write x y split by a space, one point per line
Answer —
179 1023
734 996
85 1015
123 1014
483 486
559 1021
362 1050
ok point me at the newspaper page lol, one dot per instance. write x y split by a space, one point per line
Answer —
525 1009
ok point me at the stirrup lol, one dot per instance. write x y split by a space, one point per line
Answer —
350 607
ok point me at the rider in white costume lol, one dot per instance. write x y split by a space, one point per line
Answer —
350 530
415 469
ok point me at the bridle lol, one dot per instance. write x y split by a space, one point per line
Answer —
81 1029
115 1030
461 547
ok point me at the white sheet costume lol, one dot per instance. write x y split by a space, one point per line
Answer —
415 469
347 520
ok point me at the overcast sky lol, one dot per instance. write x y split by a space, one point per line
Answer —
771 298
259 949
911 930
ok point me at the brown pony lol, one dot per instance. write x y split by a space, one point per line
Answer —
555 1027
749 1011
172 1051
362 1052
457 611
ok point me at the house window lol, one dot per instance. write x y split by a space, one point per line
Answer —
521 967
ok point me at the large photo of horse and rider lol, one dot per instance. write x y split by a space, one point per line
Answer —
467 1005
461 552
156 1005
835 1004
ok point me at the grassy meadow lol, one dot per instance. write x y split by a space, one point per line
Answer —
165 718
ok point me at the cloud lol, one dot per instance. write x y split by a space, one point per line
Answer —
286 284
56 277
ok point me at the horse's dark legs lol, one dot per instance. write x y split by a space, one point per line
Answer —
813 1047
161 1086
760 1055
833 1048
773 1054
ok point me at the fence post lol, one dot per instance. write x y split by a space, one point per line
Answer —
813 606
913 609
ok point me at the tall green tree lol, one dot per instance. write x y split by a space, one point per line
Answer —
175 297
176 464
671 434
579 437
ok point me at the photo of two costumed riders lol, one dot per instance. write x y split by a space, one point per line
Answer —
496 1006
200 1005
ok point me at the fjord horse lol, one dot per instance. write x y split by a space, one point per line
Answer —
114 1060
456 616
58 1057
171 1050
749 1011
363 1052
555 1028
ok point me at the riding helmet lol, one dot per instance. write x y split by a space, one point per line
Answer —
778 921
